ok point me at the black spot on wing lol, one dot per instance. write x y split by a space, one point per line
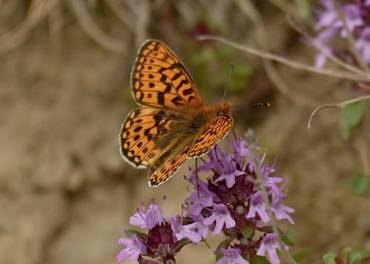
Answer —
188 91
160 98
177 100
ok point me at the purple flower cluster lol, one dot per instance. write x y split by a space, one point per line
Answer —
230 201
163 238
330 28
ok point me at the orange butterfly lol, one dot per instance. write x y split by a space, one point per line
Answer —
172 122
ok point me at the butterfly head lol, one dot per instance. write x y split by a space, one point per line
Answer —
223 109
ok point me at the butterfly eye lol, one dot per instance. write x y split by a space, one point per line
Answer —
221 113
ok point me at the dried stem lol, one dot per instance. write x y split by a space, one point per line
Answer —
143 16
285 8
121 13
92 30
56 21
335 105
248 8
288 62
39 9
208 245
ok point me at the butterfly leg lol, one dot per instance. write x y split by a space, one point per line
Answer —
216 154
234 134
197 176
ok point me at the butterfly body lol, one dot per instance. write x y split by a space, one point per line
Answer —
172 123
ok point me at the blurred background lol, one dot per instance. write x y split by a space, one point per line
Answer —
65 192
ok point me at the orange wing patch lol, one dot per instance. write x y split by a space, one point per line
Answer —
159 79
212 133
140 131
168 168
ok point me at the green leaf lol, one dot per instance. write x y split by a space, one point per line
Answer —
259 260
226 52
224 244
247 232
304 8
302 254
287 241
240 78
183 242
345 253
355 258
131 232
360 183
329 258
352 115
204 56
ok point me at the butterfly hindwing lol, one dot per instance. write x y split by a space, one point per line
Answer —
140 132
159 79
213 132
161 174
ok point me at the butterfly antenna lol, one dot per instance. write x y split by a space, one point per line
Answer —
228 80
266 104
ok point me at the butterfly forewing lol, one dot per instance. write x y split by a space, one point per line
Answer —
159 79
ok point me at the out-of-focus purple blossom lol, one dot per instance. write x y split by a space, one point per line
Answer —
330 28
363 44
240 149
231 256
272 187
133 247
269 246
321 43
282 211
221 217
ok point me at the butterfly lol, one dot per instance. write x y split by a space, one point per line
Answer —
172 122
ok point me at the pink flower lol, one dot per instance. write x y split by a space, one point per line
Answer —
268 247
221 217
282 212
133 247
258 208
189 231
232 256
147 218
